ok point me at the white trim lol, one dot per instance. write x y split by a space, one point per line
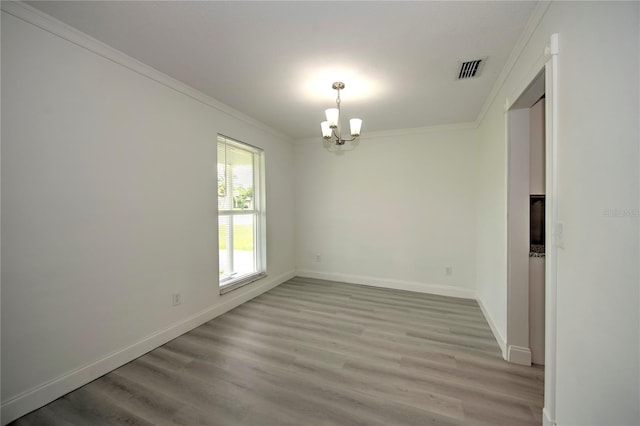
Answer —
47 23
418 287
524 84
546 419
552 220
532 24
42 394
502 342
519 355
399 132
237 283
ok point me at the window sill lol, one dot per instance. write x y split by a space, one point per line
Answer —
241 282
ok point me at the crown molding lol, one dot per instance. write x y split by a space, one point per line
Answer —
532 24
48 23
399 132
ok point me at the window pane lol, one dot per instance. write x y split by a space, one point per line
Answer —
236 243
223 243
243 244
235 178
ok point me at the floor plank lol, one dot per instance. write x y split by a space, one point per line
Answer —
314 352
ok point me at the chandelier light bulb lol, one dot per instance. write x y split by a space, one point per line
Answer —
333 114
355 124
326 129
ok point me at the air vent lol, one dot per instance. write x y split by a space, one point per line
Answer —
469 69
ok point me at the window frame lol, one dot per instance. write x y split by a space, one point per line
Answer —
258 212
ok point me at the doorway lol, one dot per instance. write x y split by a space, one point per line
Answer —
525 300
541 83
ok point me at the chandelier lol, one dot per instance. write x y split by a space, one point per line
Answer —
331 129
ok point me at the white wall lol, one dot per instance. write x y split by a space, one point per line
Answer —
108 207
395 212
597 357
518 237
491 223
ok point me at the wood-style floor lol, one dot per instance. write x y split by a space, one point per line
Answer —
312 352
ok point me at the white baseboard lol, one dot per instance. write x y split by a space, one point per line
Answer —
519 355
43 394
439 289
546 418
502 342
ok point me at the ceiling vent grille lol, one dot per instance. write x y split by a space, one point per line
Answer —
469 69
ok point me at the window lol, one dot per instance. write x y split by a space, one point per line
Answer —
241 214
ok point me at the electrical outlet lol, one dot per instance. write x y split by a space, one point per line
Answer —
177 299
448 270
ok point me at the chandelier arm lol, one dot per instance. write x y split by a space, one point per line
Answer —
340 148
350 140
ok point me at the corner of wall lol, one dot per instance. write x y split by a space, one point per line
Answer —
534 20
502 342
438 289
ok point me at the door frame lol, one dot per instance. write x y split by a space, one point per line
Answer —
517 342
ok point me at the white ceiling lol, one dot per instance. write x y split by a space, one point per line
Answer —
276 61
